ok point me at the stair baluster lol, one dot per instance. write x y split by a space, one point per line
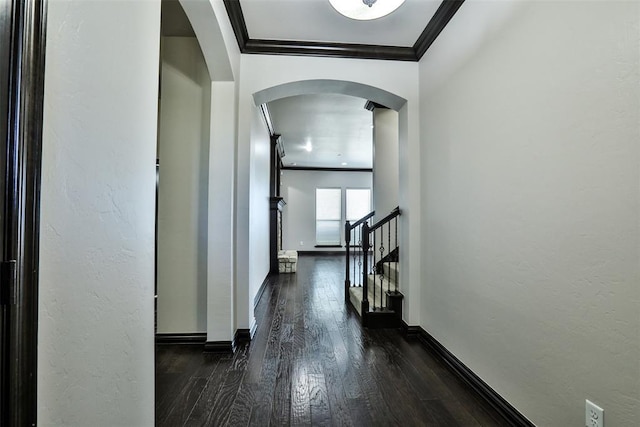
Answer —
365 269
398 256
347 244
358 273
389 257
374 263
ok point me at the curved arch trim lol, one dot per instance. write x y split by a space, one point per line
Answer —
307 87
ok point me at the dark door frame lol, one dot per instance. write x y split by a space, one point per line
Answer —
22 52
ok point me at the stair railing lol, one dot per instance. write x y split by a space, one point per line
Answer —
383 247
354 257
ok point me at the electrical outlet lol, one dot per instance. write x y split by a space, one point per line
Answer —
594 415
301 243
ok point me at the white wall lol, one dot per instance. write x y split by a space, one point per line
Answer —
222 56
212 35
259 72
183 150
220 289
95 361
259 232
298 188
531 203
385 161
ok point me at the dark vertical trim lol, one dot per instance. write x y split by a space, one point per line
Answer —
278 164
440 19
22 208
274 159
6 14
482 389
155 250
278 177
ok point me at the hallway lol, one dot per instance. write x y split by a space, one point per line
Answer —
310 363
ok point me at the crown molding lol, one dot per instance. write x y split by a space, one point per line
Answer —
414 53
327 49
434 27
236 17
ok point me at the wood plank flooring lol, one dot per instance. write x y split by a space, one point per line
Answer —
311 364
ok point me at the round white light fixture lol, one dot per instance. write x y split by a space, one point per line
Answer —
308 146
365 10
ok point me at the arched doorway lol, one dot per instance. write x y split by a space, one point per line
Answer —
257 88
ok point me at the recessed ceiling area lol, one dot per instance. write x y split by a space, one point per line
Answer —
315 28
337 129
317 20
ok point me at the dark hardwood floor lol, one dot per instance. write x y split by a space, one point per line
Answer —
310 363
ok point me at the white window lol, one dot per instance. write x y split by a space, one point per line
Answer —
328 216
358 201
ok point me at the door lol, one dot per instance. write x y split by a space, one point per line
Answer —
5 43
22 34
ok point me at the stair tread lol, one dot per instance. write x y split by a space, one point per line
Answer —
388 283
391 269
355 295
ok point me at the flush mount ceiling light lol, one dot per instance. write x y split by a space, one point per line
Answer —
308 146
365 10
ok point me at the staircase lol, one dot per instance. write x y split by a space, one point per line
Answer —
374 292
384 300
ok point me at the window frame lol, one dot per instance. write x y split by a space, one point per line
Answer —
343 214
339 220
346 190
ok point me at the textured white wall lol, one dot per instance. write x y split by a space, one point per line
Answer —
183 150
385 161
210 32
299 192
531 204
260 72
95 361
222 56
259 258
220 313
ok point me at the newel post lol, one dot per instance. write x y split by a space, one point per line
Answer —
365 270
347 240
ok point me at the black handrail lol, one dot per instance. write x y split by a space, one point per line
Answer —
394 213
367 232
348 228
368 241
362 220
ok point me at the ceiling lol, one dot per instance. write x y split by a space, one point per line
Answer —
317 20
338 128
314 28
